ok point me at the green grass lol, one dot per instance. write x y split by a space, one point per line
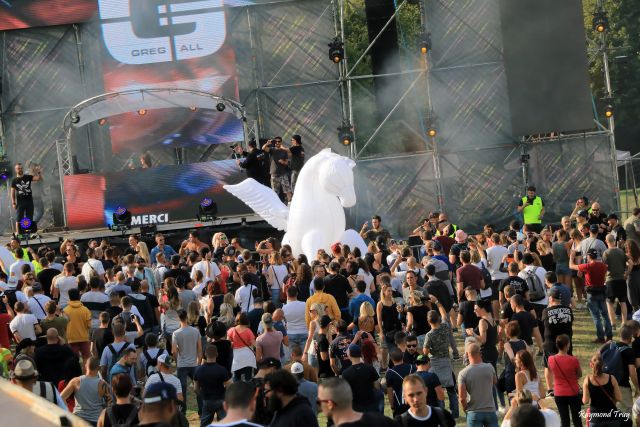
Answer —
583 349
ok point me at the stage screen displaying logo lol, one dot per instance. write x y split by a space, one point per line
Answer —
158 43
153 196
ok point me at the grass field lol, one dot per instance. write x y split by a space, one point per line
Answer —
583 349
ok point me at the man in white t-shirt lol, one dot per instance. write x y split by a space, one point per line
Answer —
165 365
15 269
24 325
93 267
294 313
208 268
62 284
495 253
37 302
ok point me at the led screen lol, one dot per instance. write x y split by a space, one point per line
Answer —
15 14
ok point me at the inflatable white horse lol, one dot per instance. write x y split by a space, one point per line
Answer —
315 219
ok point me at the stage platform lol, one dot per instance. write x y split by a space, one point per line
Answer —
49 237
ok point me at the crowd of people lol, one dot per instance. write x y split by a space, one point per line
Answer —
475 325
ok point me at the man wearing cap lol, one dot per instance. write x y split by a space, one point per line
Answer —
594 277
210 380
616 230
166 364
25 375
38 301
306 388
558 320
593 242
158 405
532 208
363 379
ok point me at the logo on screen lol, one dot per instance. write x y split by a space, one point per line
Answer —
151 31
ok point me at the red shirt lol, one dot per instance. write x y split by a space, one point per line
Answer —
594 273
5 319
565 374
446 243
470 275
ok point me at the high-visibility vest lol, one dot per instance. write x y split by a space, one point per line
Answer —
532 213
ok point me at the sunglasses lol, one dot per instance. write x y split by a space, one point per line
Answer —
412 345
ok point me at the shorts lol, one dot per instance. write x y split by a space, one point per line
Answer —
563 270
82 348
280 182
616 289
495 290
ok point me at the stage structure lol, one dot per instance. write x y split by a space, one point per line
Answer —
443 140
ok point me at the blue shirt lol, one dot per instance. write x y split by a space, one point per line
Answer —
445 259
168 252
355 303
565 293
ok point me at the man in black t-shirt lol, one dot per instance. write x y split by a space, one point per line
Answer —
363 379
394 377
240 402
528 323
279 159
518 284
210 380
558 320
466 311
323 348
420 413
338 286
297 158
21 195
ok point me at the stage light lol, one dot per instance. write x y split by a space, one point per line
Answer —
345 134
193 108
600 21
121 219
26 227
220 107
75 117
425 43
5 174
608 111
102 122
432 132
207 210
142 111
336 50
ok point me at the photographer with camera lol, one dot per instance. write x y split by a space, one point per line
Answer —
254 161
532 208
279 159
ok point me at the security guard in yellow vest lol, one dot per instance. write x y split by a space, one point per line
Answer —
532 209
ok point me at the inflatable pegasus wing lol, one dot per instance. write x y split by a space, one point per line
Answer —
263 200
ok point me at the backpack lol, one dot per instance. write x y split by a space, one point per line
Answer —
152 362
486 276
115 356
535 285
116 422
612 360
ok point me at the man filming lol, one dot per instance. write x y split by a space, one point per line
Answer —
278 167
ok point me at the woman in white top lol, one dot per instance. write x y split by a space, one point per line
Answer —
275 272
527 375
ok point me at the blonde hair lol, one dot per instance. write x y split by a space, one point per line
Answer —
226 314
366 309
193 312
319 308
417 296
143 251
275 258
229 299
475 256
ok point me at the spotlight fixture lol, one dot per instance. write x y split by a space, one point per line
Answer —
207 210
425 43
336 50
608 111
345 133
142 111
26 227
432 132
600 21
75 117
193 108
121 220
430 124
5 171
102 122
220 107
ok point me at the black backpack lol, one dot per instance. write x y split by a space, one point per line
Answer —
152 362
486 276
118 422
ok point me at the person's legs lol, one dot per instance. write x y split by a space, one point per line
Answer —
594 311
218 409
297 339
575 406
183 374
562 403
275 297
603 312
453 401
207 412
611 310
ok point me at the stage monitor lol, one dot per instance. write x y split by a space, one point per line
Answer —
545 57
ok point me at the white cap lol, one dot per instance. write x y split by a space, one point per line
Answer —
297 368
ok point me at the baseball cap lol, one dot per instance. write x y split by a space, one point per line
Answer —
583 213
167 360
267 319
422 359
269 362
461 236
594 228
612 216
24 369
297 368
592 253
159 392
354 350
555 293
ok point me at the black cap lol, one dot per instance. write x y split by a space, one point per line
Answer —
159 392
594 228
555 293
612 216
592 253
583 213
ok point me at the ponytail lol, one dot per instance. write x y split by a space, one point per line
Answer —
597 364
